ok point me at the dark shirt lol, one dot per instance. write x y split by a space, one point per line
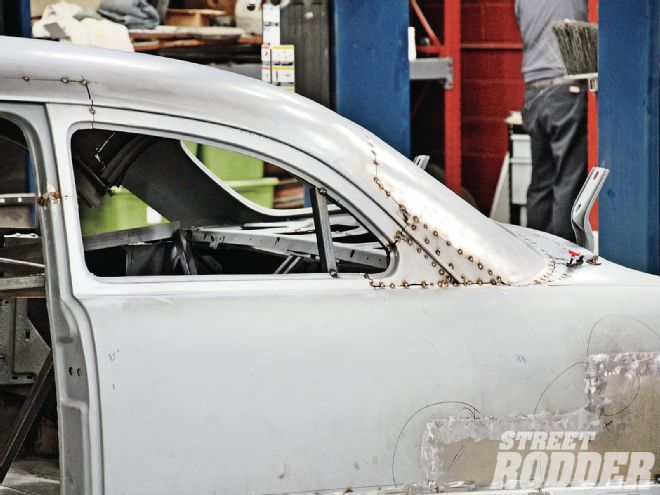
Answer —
541 58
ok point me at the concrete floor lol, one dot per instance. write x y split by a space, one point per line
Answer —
33 477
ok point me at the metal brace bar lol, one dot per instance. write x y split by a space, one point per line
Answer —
19 267
323 231
20 199
295 242
31 251
293 265
288 264
130 236
185 254
27 415
436 46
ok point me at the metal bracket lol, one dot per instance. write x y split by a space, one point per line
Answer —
582 207
433 68
22 349
422 161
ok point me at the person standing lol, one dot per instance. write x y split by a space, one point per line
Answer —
554 114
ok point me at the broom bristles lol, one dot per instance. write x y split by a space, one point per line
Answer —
578 45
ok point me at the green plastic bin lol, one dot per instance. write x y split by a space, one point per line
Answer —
230 165
192 146
259 191
123 210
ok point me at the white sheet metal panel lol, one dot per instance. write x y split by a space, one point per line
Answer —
305 384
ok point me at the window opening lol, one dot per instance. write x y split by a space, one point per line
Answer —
154 205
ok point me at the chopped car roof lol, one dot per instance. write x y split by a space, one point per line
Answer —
45 71
35 69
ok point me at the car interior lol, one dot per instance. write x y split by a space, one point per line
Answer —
28 411
211 229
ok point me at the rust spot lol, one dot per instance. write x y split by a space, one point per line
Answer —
53 196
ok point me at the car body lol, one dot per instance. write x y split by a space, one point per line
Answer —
401 381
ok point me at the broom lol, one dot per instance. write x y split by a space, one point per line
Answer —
578 45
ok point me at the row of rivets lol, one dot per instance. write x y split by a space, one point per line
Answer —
413 226
65 80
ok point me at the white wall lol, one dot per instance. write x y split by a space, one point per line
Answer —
37 6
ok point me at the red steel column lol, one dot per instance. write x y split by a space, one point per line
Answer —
452 44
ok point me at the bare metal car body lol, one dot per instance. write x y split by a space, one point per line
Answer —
313 383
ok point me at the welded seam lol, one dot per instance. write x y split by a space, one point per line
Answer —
433 241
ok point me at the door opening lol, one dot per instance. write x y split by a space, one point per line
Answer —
28 406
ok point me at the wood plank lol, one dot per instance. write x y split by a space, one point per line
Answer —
216 34
146 46
191 17
251 39
209 12
180 43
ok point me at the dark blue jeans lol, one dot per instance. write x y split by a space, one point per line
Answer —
556 119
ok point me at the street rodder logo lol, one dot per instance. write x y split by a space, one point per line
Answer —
535 459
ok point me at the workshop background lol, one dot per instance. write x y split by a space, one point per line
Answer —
454 96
